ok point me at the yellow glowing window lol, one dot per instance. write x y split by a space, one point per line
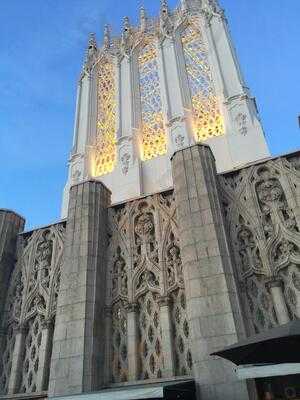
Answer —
154 141
207 119
105 151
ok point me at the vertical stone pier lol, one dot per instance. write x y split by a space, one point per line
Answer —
212 304
10 225
77 364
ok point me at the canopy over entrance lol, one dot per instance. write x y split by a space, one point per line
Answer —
179 390
275 346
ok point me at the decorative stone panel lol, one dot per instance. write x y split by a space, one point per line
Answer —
261 207
31 304
145 270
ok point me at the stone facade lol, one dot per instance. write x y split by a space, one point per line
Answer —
147 289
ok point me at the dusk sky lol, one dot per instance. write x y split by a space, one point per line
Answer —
42 46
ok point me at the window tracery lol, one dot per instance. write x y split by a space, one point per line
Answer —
105 148
6 358
260 303
181 331
145 235
154 140
30 360
266 240
207 118
150 354
32 299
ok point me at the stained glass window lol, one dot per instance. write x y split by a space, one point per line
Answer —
105 154
154 141
207 118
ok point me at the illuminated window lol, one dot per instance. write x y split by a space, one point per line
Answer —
207 119
105 154
153 135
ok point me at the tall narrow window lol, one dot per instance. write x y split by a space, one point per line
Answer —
154 141
207 119
105 155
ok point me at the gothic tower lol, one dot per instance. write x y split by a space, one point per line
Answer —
161 86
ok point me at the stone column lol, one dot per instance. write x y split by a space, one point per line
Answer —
77 363
16 364
166 337
108 344
132 342
212 305
10 225
45 356
275 287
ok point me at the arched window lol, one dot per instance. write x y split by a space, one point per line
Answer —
207 119
105 153
154 142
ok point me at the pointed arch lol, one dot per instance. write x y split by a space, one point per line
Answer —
105 152
207 120
153 135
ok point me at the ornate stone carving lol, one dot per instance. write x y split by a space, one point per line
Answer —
181 332
145 233
125 161
166 24
248 249
258 207
126 37
32 299
241 123
119 276
119 343
149 337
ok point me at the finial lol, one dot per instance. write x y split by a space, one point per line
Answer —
126 25
126 35
184 6
92 46
214 5
143 19
164 9
106 37
166 24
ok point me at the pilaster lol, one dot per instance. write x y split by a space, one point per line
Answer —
79 336
212 304
44 356
276 290
108 345
245 138
132 340
16 364
10 225
171 72
166 337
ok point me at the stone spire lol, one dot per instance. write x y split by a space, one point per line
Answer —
166 25
92 45
164 9
106 37
213 6
143 19
90 52
184 6
126 35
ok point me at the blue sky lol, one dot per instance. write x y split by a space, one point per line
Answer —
42 45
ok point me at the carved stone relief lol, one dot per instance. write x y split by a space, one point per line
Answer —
32 300
145 266
259 205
